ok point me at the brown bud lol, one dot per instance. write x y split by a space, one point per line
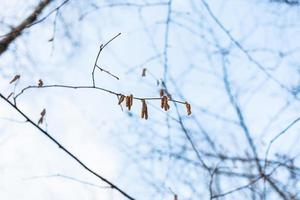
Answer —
40 83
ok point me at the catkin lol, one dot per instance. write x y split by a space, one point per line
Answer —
121 99
144 112
144 72
41 120
164 103
129 101
188 108
17 77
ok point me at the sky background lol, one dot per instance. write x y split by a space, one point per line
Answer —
116 143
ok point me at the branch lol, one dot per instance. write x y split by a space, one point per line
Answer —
90 87
287 2
112 185
102 46
236 43
276 137
246 130
239 114
166 42
245 186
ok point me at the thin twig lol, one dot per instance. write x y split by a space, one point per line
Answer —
102 46
89 87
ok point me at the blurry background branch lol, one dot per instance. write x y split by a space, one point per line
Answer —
288 2
32 19
236 61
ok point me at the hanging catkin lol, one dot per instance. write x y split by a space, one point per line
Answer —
121 99
144 112
188 108
164 103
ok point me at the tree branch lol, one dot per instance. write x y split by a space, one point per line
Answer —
112 185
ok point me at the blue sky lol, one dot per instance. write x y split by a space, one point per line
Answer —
120 147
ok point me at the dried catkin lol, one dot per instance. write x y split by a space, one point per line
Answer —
188 108
121 99
144 112
128 102
144 72
17 77
164 103
131 100
43 113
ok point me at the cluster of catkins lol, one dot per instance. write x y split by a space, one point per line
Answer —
165 98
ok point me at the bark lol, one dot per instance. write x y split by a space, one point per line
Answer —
17 31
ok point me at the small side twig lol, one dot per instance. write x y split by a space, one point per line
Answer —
102 46
104 70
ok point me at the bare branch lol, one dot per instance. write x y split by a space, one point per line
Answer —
51 138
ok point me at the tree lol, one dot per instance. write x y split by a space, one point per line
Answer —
217 83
